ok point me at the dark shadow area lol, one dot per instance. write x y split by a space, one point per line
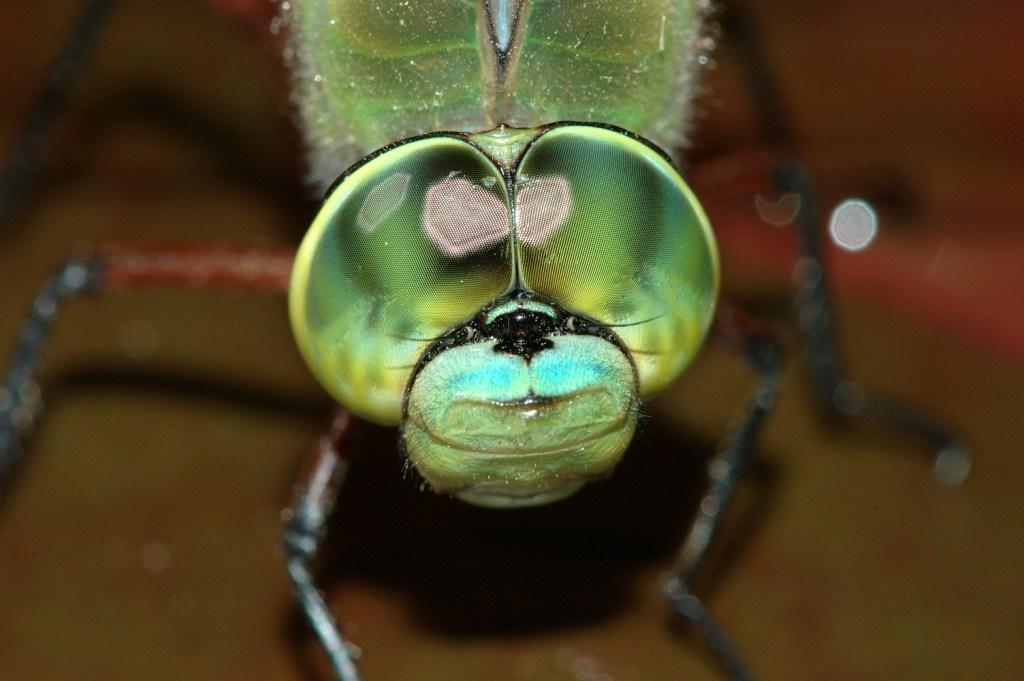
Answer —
89 380
186 386
478 573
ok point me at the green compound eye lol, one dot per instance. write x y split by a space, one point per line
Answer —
408 244
607 228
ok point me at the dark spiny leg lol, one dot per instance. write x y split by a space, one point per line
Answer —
841 397
29 141
304 530
724 472
20 399
193 266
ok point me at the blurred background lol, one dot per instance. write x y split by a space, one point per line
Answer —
140 541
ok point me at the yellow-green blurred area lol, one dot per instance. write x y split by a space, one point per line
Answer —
140 541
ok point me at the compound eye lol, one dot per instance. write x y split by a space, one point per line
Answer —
408 244
606 226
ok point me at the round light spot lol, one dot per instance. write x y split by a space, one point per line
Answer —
952 466
853 225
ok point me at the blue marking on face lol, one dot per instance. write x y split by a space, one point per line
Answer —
479 372
576 362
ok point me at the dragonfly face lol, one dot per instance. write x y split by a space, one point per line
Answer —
520 406
507 297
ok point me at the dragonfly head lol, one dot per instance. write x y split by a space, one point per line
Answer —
521 406
424 296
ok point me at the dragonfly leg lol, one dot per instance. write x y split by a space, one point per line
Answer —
725 469
63 74
116 269
841 397
304 531
20 400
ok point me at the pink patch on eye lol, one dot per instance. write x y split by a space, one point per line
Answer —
542 207
461 217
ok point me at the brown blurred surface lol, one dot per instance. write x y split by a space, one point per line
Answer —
141 540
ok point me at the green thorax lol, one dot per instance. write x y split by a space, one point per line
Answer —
369 73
